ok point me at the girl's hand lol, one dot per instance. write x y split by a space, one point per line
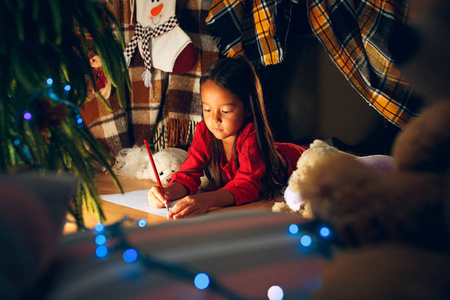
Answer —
156 197
190 206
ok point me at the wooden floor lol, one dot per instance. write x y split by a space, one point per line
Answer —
114 212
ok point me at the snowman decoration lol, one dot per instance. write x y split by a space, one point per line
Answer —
162 43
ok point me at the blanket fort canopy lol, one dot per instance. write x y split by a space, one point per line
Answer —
165 113
356 33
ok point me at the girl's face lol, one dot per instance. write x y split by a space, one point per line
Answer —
223 112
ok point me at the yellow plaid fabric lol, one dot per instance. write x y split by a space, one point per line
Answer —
356 33
256 29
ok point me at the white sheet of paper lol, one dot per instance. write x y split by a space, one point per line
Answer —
137 200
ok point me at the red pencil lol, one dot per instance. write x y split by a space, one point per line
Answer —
155 171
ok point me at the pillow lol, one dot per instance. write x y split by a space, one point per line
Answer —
32 213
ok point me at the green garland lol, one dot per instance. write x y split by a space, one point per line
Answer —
45 39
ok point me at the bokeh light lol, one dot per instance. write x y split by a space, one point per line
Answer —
130 255
275 293
293 229
99 228
27 115
324 232
100 239
306 240
101 251
142 222
201 281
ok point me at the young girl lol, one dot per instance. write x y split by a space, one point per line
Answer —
233 146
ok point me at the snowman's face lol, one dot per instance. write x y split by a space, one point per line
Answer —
152 13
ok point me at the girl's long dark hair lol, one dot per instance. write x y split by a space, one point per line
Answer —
238 76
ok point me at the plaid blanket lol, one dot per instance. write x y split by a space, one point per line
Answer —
355 34
167 114
256 29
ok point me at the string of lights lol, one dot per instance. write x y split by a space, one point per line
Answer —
131 254
314 237
25 114
48 133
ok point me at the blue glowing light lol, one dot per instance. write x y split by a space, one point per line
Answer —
16 142
67 88
130 255
101 251
142 222
293 229
99 228
306 240
49 81
201 281
275 293
324 232
100 239
79 120
27 115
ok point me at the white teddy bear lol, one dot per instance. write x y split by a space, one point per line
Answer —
317 151
293 200
167 162
135 163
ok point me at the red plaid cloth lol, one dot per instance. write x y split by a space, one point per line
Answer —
167 114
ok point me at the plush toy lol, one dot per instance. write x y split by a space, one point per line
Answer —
135 163
293 200
317 152
167 162
365 207
390 226
161 42
378 198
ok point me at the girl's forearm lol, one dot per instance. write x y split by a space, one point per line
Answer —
219 198
175 191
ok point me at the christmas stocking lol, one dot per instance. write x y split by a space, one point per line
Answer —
161 42
102 82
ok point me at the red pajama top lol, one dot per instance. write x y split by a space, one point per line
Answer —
242 182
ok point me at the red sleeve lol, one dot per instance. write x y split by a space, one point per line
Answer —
292 152
198 155
244 185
